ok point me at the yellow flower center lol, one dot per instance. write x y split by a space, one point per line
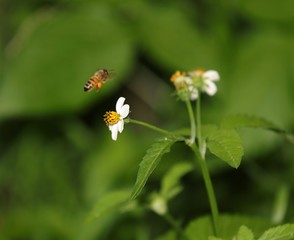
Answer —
176 75
111 118
178 79
200 71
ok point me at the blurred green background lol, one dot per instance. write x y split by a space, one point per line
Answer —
57 157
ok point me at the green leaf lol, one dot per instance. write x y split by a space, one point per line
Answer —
150 161
60 53
199 229
175 42
170 185
245 233
252 121
226 144
229 225
108 203
208 129
264 90
281 204
101 176
283 232
214 238
267 10
171 235
244 120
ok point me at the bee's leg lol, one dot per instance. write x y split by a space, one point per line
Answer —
99 86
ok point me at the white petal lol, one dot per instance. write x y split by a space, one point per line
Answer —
188 80
211 75
210 88
124 111
119 104
114 131
194 95
120 125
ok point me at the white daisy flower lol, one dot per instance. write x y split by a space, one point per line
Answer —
115 120
207 80
193 91
184 86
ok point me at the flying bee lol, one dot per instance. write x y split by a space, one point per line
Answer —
97 80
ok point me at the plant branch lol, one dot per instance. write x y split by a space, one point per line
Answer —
154 128
209 188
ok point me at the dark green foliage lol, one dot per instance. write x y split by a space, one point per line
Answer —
57 158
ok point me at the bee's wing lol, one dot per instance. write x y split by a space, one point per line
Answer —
112 74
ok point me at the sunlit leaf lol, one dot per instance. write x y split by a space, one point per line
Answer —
226 144
109 203
150 161
201 228
283 232
245 233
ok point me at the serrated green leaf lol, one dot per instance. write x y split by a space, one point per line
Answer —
208 129
245 233
201 228
283 232
226 144
252 121
170 185
108 203
150 161
244 120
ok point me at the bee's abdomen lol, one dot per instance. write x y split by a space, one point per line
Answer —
89 85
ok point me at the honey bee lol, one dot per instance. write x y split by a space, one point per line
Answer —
97 80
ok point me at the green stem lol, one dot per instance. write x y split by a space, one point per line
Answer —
192 122
154 128
198 121
209 188
200 156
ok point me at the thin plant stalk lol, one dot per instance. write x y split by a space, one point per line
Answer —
154 128
200 156
198 124
209 189
192 122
